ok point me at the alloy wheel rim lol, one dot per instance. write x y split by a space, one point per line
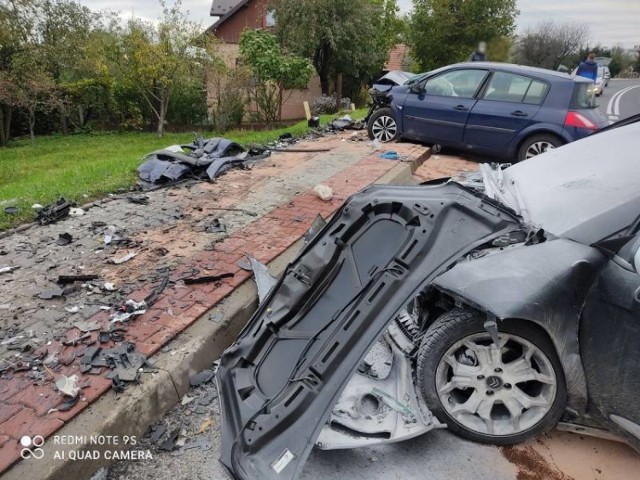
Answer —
539 147
496 391
384 128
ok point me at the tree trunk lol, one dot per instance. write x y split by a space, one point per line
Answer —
63 118
339 91
161 114
164 104
32 124
6 112
321 61
280 100
3 140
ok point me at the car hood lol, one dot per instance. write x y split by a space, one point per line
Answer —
584 191
279 381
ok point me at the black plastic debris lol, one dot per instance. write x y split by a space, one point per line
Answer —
199 159
263 278
206 279
68 403
215 227
66 279
54 212
157 431
64 239
199 378
317 225
170 442
50 293
11 210
347 123
117 385
313 122
138 199
153 296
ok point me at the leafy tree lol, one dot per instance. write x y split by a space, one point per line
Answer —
274 71
550 44
349 37
34 89
447 31
157 59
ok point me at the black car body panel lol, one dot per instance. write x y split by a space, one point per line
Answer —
506 286
280 379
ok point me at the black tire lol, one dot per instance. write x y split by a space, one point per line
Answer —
459 324
378 121
538 138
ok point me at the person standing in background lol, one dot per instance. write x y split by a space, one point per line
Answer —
480 55
588 68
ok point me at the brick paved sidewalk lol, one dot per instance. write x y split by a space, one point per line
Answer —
168 238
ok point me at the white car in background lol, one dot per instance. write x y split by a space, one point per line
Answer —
606 75
601 82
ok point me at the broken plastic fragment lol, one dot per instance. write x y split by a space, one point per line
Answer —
126 258
264 280
64 279
317 225
50 293
85 326
206 279
64 239
199 378
68 385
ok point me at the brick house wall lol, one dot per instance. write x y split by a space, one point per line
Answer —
236 16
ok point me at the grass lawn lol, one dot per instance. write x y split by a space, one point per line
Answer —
88 166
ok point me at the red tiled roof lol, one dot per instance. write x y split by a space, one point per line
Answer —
397 57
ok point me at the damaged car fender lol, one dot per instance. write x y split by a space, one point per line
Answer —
281 378
550 293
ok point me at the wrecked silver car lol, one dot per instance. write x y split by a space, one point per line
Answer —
498 305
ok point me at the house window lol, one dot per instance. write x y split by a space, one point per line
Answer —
270 19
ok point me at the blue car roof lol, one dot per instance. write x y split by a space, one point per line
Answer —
543 73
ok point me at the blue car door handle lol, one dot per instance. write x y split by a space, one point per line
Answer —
519 113
460 108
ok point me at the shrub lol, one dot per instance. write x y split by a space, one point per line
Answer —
228 98
324 104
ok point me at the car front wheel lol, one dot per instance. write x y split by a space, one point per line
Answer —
502 394
382 126
537 144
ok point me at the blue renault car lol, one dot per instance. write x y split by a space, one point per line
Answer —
506 110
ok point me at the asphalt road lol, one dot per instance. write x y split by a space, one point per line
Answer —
620 100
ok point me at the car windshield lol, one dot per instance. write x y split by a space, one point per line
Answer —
584 96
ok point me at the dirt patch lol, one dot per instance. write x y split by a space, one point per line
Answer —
532 465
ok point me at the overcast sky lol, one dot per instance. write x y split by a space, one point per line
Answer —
610 21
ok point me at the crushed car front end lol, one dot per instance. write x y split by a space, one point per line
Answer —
295 376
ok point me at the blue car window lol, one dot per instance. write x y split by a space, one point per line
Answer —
537 93
507 87
456 83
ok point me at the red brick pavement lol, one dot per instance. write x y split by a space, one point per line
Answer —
24 407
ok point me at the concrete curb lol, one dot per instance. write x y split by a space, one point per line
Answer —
131 412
